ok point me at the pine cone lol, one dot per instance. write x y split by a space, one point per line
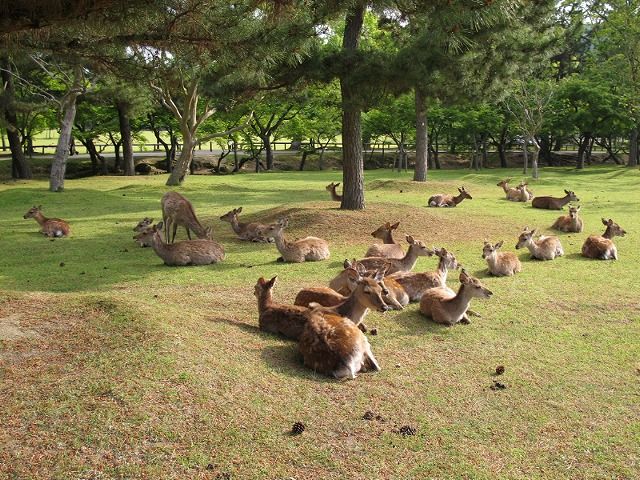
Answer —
297 428
407 430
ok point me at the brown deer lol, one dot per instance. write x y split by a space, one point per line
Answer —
389 248
525 192
553 203
331 188
444 200
447 307
187 252
308 249
512 193
332 345
500 264
544 248
415 284
602 247
343 283
245 231
178 211
286 320
143 225
51 227
404 264
569 223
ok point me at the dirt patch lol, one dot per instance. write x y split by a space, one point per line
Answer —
10 329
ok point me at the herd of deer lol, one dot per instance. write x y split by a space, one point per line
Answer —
328 322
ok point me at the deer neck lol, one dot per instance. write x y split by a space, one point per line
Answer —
608 233
458 198
533 247
40 218
410 258
442 271
563 201
197 228
352 308
281 244
235 224
334 194
265 300
158 245
460 303
387 238
505 187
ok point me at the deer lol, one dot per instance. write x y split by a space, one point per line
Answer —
245 231
554 203
447 307
50 227
389 248
343 283
309 249
569 223
525 193
331 188
177 210
513 193
544 248
286 320
501 264
404 264
186 252
415 284
143 225
445 200
602 247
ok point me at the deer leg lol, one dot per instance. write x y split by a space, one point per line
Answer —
188 233
175 230
363 328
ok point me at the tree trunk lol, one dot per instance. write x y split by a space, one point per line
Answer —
525 153
266 140
484 151
125 138
422 138
534 157
352 161
303 160
633 148
582 149
184 160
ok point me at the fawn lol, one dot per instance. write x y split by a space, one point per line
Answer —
569 223
331 188
286 320
513 193
245 231
447 307
553 203
389 248
525 193
544 248
404 264
187 252
500 263
308 249
51 227
143 225
602 247
445 200
177 210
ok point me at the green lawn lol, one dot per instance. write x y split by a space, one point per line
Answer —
113 365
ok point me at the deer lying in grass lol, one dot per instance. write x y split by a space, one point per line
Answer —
512 193
500 264
553 203
444 200
308 249
51 227
389 248
245 231
187 252
415 284
525 193
569 223
602 247
544 248
178 211
331 188
143 225
286 320
447 307
343 282
404 264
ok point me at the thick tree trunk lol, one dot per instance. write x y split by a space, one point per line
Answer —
266 140
422 138
525 153
303 160
184 160
633 148
125 138
582 150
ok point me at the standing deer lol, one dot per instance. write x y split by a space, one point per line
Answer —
51 227
389 248
569 223
447 307
245 231
544 248
553 203
404 264
331 188
177 210
500 263
444 200
187 252
286 320
512 193
308 249
602 247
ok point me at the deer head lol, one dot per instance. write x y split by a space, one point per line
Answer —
573 211
449 258
477 289
143 224
503 183
33 212
263 286
464 193
331 187
525 237
418 247
572 196
383 230
613 228
488 250
370 291
145 236
231 215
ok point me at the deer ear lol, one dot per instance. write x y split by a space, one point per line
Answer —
578 207
379 275
387 225
39 207
158 226
460 189
261 281
611 222
604 221
567 192
346 264
272 282
360 268
395 225
499 244
526 229
337 184
534 231
238 210
410 239
464 276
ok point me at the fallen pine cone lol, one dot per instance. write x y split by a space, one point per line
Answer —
499 369
373 331
407 430
497 386
297 428
368 415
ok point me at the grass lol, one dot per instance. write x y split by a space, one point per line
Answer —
116 366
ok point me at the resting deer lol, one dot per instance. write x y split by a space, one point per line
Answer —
143 225
286 320
51 227
415 284
447 307
404 264
500 264
544 248
553 203
569 223
177 210
444 200
331 188
343 283
308 249
187 252
602 247
389 248
525 193
245 231
512 193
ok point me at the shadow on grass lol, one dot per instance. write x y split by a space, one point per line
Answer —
414 323
286 359
249 328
